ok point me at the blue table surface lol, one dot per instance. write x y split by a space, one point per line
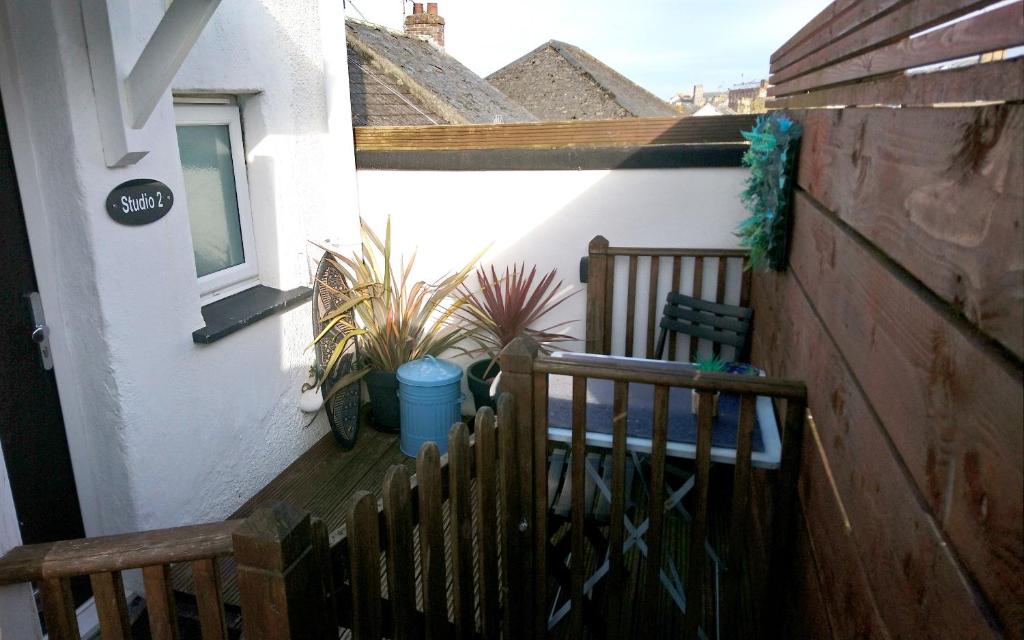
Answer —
682 423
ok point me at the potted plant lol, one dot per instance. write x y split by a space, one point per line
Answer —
395 318
714 364
502 309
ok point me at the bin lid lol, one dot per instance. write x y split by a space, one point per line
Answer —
429 372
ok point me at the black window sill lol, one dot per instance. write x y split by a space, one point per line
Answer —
227 316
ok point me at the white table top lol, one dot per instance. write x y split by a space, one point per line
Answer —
767 447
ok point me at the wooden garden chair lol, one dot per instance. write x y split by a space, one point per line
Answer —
721 324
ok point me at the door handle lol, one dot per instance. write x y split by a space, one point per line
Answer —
40 332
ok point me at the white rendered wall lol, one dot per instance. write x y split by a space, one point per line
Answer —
548 218
163 431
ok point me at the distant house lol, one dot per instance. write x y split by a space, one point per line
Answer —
749 98
558 81
404 79
702 103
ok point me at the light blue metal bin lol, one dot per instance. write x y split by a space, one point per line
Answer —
430 396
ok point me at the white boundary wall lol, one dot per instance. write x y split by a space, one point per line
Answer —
548 218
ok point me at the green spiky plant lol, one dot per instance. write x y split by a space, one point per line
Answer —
713 364
395 319
768 194
506 307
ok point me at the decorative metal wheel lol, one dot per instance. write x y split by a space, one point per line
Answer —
342 408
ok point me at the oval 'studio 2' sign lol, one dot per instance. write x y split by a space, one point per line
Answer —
139 201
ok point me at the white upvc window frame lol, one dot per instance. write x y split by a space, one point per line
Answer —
245 275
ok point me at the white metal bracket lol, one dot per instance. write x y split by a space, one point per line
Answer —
125 101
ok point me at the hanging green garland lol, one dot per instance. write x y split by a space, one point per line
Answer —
774 142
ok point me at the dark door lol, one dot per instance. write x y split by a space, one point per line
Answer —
35 447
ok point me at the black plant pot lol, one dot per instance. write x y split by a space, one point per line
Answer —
479 385
385 412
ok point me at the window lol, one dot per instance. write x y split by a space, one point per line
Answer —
217 192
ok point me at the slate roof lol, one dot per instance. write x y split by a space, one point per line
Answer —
558 80
398 80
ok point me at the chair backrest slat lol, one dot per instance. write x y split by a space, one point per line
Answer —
721 324
694 302
699 332
724 323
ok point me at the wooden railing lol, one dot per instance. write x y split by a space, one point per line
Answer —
441 484
525 376
487 495
602 259
279 552
103 559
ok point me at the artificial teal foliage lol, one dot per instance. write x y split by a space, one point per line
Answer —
768 196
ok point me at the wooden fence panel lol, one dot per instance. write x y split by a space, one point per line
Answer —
432 563
919 587
208 599
997 29
487 519
696 560
364 555
401 565
551 135
870 29
59 609
995 81
460 532
956 420
934 190
163 619
108 590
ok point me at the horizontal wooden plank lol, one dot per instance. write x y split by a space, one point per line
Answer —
819 21
938 190
906 19
952 410
109 554
576 158
681 252
672 374
990 82
808 611
998 29
912 583
548 135
852 605
854 18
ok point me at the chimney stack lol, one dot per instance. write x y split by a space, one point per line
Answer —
427 23
698 95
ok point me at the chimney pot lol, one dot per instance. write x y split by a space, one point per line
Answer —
428 24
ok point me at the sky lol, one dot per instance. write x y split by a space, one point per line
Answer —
666 46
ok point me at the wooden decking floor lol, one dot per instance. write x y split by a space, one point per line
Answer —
323 480
320 481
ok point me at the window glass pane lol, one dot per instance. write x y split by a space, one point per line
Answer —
212 201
